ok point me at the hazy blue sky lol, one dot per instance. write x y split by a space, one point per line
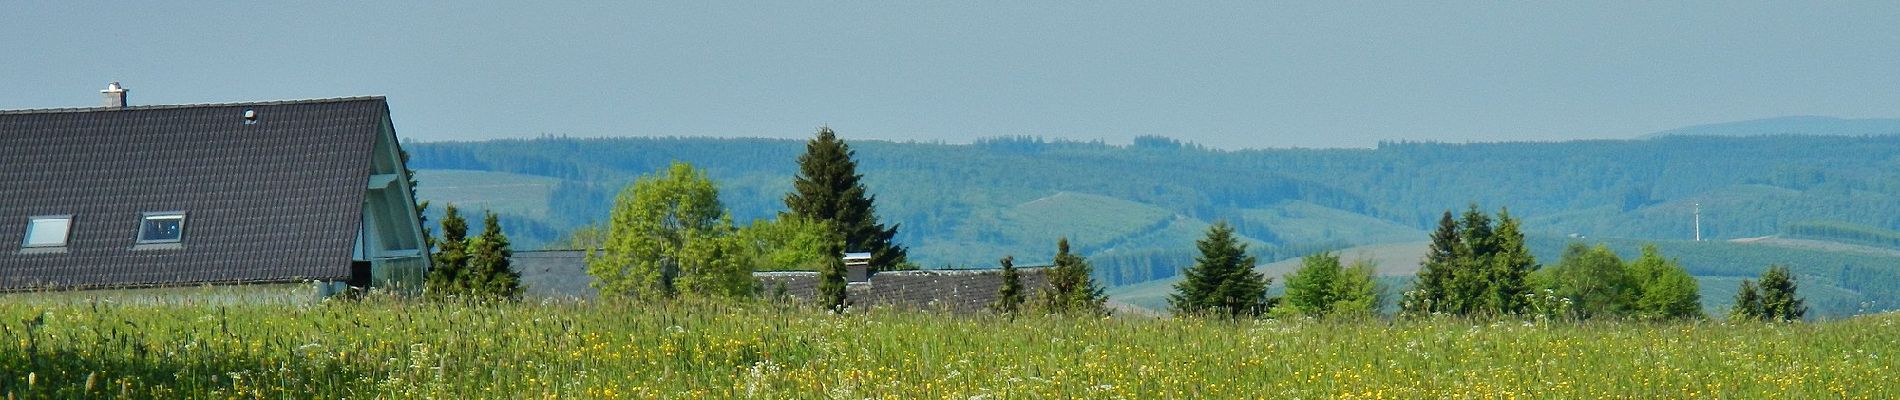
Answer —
1230 75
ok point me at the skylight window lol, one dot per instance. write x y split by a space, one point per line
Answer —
168 227
48 231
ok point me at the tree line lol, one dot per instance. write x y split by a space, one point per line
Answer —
669 234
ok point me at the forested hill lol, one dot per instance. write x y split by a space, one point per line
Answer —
1137 209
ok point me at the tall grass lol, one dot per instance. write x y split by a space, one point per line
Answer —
393 348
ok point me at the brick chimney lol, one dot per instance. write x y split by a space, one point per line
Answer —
114 95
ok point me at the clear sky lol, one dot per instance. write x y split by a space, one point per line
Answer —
1231 75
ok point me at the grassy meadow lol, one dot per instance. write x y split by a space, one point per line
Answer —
74 347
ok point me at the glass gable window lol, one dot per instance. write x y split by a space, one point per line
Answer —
48 231
162 228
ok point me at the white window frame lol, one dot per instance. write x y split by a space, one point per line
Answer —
64 240
178 215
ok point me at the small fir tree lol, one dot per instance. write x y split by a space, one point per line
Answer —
1779 301
1222 280
1072 289
1508 269
1431 288
1747 303
831 285
489 274
1009 297
451 257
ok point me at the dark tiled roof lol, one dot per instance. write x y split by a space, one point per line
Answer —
945 290
554 273
279 200
563 273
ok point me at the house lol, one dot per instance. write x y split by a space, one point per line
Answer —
165 195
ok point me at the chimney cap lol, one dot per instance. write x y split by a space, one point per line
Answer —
114 95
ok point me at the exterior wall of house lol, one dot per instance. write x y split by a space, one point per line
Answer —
391 238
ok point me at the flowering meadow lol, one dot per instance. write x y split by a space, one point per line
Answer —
396 348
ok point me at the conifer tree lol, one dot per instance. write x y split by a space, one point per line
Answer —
1473 267
1222 280
1778 298
489 273
1072 289
1508 268
831 285
1470 285
829 188
1431 288
1009 297
1747 303
451 257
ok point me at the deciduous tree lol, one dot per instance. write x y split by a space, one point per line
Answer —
1311 290
662 226
1668 292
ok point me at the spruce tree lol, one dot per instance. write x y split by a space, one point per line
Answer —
1470 285
831 285
451 257
1431 288
1747 303
1072 289
1508 268
1009 296
829 188
1778 298
489 273
1222 280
